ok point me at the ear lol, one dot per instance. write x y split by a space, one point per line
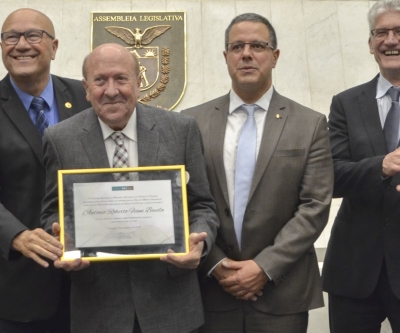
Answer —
54 48
225 55
275 54
139 82
371 47
85 85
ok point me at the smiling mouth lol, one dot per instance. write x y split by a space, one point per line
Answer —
391 53
24 57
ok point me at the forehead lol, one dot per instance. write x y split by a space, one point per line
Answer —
27 19
388 20
248 31
110 63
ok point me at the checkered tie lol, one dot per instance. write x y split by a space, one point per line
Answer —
120 159
41 122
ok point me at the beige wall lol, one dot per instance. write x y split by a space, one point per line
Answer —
323 45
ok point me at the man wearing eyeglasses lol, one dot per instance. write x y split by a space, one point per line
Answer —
362 265
270 172
30 100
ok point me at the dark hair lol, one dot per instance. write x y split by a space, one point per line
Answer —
253 18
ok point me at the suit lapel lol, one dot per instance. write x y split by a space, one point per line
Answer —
63 98
368 109
218 120
15 110
274 124
148 139
92 140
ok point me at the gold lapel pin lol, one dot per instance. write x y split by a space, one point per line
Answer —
68 105
278 116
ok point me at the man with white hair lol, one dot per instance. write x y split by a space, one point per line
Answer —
362 267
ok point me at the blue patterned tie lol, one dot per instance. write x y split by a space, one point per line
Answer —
392 121
245 165
41 122
120 158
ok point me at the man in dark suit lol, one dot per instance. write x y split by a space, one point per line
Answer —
30 293
262 274
163 295
361 270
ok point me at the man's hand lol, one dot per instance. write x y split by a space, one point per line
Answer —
391 164
190 260
248 281
68 266
36 244
221 272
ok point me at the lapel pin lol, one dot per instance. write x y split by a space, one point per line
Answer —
278 116
68 105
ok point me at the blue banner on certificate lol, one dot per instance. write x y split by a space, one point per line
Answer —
142 218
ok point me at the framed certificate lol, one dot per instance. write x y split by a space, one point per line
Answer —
141 218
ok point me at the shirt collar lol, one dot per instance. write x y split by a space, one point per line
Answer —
236 102
382 87
26 99
130 130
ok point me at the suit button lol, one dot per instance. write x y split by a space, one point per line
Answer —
227 212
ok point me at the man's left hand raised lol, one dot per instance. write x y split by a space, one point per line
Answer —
190 260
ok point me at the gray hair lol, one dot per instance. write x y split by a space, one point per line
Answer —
381 7
253 18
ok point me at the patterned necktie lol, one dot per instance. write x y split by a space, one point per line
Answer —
41 122
391 127
245 165
120 158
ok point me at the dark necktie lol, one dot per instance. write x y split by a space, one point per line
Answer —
41 122
391 127
245 165
120 158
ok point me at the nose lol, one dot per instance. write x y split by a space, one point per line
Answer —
22 43
391 38
111 89
247 51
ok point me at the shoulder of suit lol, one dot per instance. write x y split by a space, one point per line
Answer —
213 104
357 90
159 114
76 121
293 107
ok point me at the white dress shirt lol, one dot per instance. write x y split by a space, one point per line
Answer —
383 100
236 119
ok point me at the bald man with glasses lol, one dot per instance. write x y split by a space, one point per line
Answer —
33 295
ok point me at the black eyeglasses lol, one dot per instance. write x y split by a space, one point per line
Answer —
238 47
383 32
32 36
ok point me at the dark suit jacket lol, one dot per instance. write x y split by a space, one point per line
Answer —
367 226
105 296
28 291
287 210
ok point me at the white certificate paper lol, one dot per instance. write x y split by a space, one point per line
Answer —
123 213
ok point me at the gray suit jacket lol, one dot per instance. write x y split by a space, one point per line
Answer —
287 210
28 291
105 296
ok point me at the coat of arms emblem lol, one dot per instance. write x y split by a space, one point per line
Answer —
158 41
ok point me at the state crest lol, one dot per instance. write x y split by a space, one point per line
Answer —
158 40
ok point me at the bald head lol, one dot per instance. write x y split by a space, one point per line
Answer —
29 63
105 50
18 20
